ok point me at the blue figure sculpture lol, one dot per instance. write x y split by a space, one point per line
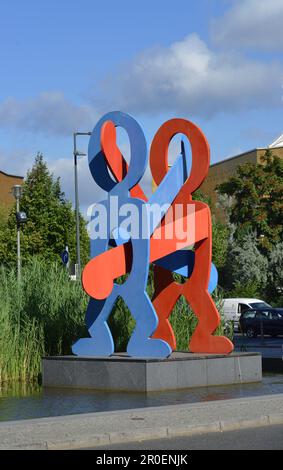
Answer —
133 291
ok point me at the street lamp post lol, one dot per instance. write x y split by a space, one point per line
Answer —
21 218
77 154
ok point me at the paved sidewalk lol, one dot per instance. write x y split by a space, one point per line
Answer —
99 429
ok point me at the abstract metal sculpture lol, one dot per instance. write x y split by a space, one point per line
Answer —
153 335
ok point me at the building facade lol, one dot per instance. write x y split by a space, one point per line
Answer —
6 183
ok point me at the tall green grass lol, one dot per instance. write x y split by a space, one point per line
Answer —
44 314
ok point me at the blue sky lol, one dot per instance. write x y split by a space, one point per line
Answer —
65 63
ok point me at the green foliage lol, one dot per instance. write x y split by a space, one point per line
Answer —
254 262
257 190
220 238
246 268
3 214
42 315
183 322
249 290
51 221
274 287
121 324
198 195
3 231
220 234
278 301
224 205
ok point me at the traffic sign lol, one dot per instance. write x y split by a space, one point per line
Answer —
65 256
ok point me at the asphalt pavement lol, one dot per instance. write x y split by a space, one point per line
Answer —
266 341
269 347
261 438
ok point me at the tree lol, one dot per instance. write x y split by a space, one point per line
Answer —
220 234
257 190
246 268
51 220
4 213
220 238
275 274
3 230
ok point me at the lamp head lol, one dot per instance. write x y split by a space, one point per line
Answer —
17 191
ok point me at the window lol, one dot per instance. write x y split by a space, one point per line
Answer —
250 314
260 305
263 315
277 316
242 308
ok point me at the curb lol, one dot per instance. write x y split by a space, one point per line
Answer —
151 433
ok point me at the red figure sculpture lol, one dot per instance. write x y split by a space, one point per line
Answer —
195 289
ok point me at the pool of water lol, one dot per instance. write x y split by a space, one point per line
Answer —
22 401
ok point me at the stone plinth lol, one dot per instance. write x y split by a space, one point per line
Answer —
122 373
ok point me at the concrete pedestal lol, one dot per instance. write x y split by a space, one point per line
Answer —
122 373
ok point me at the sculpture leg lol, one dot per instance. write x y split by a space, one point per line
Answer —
196 292
202 340
101 341
141 344
165 297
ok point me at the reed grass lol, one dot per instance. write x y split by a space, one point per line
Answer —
43 314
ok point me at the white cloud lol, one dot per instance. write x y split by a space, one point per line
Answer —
190 79
88 190
251 23
18 162
15 162
49 113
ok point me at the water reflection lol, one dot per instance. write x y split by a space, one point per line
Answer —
24 401
19 389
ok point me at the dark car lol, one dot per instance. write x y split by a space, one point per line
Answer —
268 321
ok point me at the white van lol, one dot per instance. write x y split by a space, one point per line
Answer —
232 308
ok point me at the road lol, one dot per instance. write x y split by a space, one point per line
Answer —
267 340
267 346
264 438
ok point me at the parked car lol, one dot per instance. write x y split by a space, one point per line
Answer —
233 308
267 321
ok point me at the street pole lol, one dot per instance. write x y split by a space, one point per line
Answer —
20 218
18 242
77 209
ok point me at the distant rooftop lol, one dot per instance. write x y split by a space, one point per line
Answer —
237 156
11 176
277 143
